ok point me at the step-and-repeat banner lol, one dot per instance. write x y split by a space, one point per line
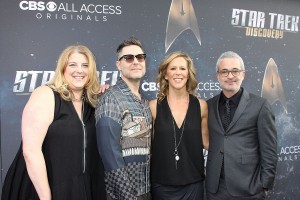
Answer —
265 33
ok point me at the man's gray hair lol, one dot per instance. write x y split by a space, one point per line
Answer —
230 54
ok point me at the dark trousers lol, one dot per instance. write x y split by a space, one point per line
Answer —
193 191
146 196
223 194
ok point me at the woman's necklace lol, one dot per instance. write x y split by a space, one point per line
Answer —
175 141
176 144
77 100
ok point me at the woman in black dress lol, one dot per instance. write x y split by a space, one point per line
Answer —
58 158
180 132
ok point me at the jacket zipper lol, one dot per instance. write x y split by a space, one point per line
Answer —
83 141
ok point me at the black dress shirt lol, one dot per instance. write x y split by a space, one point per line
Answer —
234 102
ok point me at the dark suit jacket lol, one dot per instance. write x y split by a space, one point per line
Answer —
249 147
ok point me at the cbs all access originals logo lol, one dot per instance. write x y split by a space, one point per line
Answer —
71 11
264 25
289 153
203 90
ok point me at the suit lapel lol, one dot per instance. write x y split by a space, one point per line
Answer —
217 114
240 109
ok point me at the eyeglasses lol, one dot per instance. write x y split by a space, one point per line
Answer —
130 58
234 72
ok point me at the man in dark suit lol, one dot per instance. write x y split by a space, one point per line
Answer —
242 156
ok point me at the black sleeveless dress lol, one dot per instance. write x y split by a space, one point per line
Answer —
190 166
74 172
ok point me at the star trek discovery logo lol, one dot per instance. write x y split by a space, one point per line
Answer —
26 81
264 25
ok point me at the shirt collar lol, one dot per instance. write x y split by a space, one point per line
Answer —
235 99
127 91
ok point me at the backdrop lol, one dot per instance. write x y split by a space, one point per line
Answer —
264 32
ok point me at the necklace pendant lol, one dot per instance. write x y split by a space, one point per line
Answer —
177 157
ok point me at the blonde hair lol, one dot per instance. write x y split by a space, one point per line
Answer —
192 82
59 84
